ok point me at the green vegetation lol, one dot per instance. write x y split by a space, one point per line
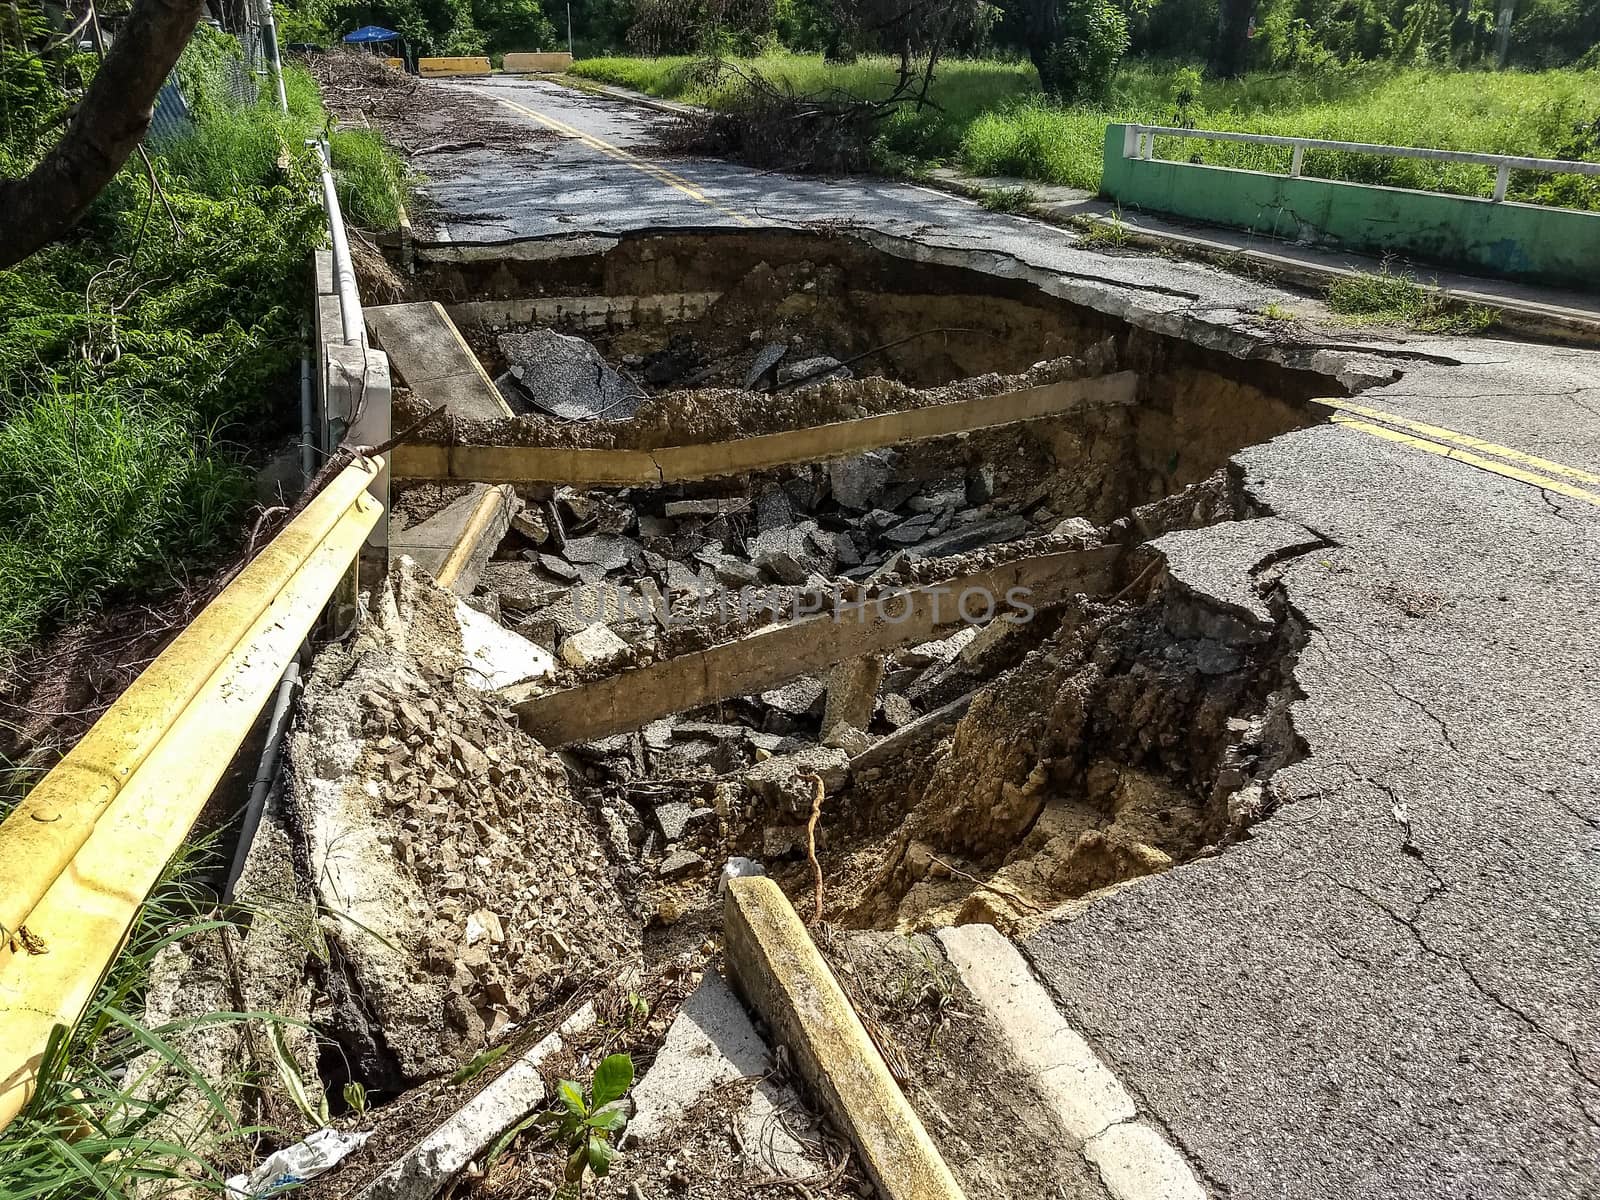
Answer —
138 355
93 1127
1104 233
428 26
992 120
1387 298
1008 199
586 1122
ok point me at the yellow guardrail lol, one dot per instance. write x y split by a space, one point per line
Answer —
84 848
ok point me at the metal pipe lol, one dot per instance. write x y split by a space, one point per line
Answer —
266 772
352 324
269 45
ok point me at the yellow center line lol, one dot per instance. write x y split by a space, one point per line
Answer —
658 173
1466 456
1440 434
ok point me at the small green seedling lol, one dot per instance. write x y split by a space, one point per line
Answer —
585 1126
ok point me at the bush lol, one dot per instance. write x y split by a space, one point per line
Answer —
1083 59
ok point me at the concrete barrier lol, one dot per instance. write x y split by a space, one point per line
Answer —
548 60
467 65
1525 241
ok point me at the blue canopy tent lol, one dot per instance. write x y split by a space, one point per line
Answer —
375 35
372 33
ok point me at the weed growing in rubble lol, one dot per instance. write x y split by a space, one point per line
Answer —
1387 297
1106 233
585 1124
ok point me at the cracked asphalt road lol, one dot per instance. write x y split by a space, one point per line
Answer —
1391 988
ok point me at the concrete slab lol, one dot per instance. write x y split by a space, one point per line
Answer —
1221 561
710 1044
429 353
455 544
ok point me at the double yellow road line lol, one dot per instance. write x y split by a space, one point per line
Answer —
659 173
1486 456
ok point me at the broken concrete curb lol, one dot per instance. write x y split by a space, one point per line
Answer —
445 1152
782 975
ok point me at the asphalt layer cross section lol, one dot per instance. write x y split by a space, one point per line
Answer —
1391 989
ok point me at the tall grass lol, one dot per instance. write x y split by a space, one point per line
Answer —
992 120
140 357
101 492
98 1124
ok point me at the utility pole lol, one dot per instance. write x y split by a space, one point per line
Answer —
569 26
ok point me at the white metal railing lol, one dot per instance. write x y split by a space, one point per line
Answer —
352 322
1139 141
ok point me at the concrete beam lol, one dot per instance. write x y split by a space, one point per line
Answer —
454 544
766 658
430 68
786 981
548 61
673 464
428 350
886 749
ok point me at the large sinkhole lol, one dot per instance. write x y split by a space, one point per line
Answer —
990 771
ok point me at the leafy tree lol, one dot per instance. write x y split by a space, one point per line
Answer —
1075 45
106 127
513 25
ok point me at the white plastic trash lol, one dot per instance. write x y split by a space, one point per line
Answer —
293 1165
737 867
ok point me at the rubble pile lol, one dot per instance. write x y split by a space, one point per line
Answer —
462 887
608 579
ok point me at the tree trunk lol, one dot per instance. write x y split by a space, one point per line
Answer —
1042 28
1233 37
112 118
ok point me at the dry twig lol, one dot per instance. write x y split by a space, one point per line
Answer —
811 844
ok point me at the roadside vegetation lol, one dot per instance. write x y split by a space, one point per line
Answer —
1388 298
148 356
991 118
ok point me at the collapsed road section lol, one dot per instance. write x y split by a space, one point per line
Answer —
824 571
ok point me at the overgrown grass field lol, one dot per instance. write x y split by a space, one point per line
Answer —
991 119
